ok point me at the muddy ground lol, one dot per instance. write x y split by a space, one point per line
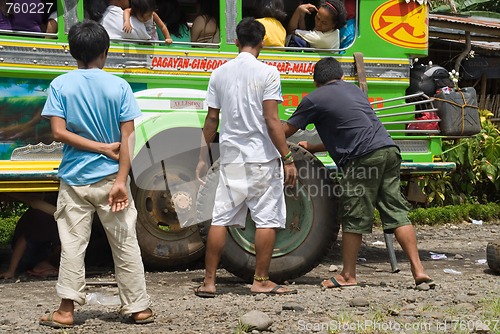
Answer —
385 302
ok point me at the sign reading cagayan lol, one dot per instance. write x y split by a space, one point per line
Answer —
208 64
402 24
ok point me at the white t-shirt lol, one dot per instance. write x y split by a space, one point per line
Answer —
238 88
112 21
320 40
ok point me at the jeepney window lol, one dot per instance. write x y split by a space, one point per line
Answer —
305 34
231 21
70 14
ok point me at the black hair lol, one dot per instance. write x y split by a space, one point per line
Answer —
94 9
250 32
210 10
141 7
87 41
327 69
271 8
171 13
339 13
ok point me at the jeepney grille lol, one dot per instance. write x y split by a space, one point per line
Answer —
415 146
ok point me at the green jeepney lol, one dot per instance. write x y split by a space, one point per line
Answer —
169 82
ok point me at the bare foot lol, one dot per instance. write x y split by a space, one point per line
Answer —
7 275
43 266
423 279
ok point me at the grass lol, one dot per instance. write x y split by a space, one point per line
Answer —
491 311
7 227
241 328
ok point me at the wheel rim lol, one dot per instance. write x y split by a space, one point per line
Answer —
164 194
299 213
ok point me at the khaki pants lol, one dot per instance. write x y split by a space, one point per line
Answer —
76 206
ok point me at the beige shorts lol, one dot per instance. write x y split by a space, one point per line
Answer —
257 187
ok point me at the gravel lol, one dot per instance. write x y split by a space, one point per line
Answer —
384 302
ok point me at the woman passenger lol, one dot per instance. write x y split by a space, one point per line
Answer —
329 18
271 14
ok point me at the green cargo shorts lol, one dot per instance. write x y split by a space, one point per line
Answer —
368 182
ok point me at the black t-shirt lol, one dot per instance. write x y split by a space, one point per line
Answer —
344 119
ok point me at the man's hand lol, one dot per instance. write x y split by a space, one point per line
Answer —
118 197
304 144
313 148
201 170
290 174
112 150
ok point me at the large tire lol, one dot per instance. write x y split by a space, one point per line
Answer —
311 225
493 256
165 192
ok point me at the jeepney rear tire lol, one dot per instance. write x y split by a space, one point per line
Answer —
321 226
163 243
493 256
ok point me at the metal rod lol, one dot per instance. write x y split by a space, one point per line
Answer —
414 121
392 254
407 113
401 97
415 131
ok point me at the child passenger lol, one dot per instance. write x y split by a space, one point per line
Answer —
330 17
144 11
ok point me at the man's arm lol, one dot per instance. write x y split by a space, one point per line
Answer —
61 133
277 135
289 129
313 148
118 195
209 132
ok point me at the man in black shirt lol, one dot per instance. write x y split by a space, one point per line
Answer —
370 164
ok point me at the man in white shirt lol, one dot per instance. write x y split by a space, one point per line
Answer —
247 92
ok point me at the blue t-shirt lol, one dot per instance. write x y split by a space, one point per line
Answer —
93 103
344 119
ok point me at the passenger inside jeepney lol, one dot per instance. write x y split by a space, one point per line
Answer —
329 18
205 27
112 21
271 13
171 13
25 15
144 11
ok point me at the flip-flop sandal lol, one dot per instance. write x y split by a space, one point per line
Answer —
203 294
147 320
429 282
52 323
275 291
336 284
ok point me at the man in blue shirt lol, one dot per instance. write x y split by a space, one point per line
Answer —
92 112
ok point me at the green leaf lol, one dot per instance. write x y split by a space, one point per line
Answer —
490 171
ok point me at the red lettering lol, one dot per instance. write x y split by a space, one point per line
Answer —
290 100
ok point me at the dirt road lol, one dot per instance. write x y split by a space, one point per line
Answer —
385 302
